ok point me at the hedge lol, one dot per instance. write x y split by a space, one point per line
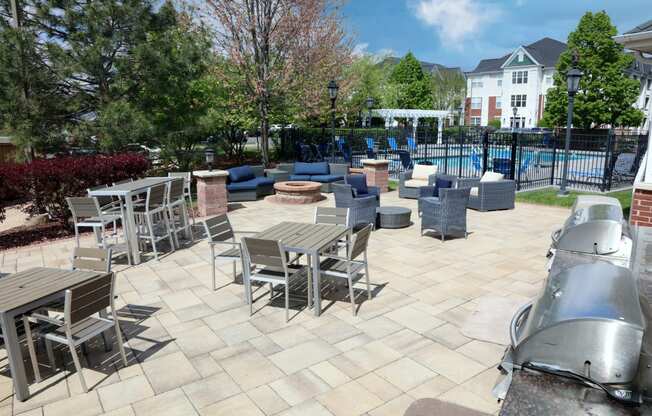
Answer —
45 183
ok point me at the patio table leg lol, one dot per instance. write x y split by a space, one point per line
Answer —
316 282
15 357
130 224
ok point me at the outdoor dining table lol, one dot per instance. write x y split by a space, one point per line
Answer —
126 191
308 239
23 292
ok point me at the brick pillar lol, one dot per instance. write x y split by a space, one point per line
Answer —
377 172
641 213
211 192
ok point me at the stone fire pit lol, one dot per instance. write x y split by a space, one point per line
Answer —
296 192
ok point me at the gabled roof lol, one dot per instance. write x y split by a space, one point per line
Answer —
545 51
643 27
427 67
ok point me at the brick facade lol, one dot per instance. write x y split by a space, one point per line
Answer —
377 172
493 111
468 112
641 213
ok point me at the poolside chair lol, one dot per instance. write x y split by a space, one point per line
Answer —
410 181
411 144
178 210
624 166
525 167
489 193
476 162
153 222
268 262
187 192
502 165
78 323
350 267
393 146
446 214
371 148
406 160
362 209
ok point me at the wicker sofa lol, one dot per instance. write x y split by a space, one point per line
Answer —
247 183
411 180
322 172
491 192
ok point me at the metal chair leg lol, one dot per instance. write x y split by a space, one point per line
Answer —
118 335
50 352
75 360
287 302
31 349
149 221
351 294
213 267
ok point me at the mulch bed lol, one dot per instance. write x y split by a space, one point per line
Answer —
25 235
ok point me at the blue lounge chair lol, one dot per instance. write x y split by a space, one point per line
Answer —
371 146
406 160
476 162
502 165
411 144
392 144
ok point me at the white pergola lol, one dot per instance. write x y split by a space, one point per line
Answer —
389 114
639 40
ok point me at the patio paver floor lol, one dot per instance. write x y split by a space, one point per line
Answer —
195 351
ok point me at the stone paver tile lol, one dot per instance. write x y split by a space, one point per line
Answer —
251 369
240 405
124 411
81 405
395 407
463 397
309 407
377 385
227 318
432 388
483 384
406 341
350 399
205 392
205 365
170 403
238 333
336 331
181 299
330 374
50 390
405 373
452 364
483 352
379 327
265 345
6 410
364 359
299 387
414 319
193 312
267 400
353 342
198 341
448 335
291 336
169 372
125 393
303 355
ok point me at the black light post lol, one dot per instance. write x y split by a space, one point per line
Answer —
370 105
332 94
515 112
209 153
573 84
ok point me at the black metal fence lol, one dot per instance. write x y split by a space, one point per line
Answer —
599 160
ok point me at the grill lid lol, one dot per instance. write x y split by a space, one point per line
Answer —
595 229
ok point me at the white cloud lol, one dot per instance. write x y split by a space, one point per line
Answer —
360 49
455 20
386 52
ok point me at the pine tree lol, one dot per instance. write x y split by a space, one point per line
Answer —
606 94
410 85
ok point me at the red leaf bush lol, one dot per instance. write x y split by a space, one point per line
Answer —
46 183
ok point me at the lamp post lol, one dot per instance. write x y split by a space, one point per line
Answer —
370 105
573 84
209 153
332 94
515 112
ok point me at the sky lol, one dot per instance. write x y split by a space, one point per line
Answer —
462 32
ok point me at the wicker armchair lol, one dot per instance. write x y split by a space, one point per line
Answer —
490 196
409 192
446 214
362 210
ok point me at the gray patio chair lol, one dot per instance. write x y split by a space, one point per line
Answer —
268 262
79 323
219 231
153 222
446 214
334 216
624 166
350 267
362 210
489 196
178 210
187 191
413 192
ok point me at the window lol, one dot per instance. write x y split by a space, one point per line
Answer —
476 84
499 102
476 103
475 121
549 80
499 83
519 100
517 123
647 101
519 77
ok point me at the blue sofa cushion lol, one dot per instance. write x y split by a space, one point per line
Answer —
249 185
441 184
299 177
326 178
317 168
262 181
241 174
359 183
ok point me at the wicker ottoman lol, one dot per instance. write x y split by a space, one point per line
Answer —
393 217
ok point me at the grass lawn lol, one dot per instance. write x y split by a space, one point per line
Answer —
548 196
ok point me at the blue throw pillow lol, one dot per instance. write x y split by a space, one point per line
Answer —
441 184
358 182
241 173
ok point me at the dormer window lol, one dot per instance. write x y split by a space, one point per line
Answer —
520 56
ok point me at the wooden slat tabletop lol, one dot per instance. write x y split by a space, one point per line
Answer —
30 285
304 236
125 188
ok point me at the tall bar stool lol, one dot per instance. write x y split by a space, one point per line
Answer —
187 193
178 210
152 218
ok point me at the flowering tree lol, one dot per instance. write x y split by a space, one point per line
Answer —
282 48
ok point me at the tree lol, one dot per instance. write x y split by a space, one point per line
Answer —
606 95
448 89
366 78
281 47
409 86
